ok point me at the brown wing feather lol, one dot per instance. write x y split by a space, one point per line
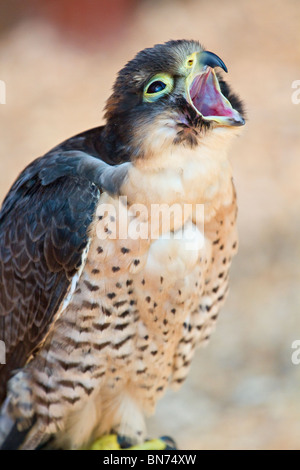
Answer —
43 232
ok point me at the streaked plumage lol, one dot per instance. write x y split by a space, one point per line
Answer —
97 328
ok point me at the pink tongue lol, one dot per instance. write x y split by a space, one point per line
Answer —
207 99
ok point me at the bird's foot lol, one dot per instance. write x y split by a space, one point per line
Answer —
115 442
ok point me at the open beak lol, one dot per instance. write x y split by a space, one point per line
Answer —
204 93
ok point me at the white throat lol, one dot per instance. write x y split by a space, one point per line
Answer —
180 174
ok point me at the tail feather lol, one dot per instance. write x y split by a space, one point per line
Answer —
11 438
7 425
14 438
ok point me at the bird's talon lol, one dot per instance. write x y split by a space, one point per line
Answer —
115 442
107 442
153 444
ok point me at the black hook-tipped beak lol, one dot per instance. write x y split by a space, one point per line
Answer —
212 60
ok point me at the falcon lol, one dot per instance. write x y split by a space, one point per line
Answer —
102 302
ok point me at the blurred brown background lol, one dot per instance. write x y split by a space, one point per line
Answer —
59 59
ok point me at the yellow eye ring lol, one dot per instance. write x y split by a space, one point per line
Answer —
159 85
190 63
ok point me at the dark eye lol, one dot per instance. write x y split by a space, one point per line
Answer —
156 86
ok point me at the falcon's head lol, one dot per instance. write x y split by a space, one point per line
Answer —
169 95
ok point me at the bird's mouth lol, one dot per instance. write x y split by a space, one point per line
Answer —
205 95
